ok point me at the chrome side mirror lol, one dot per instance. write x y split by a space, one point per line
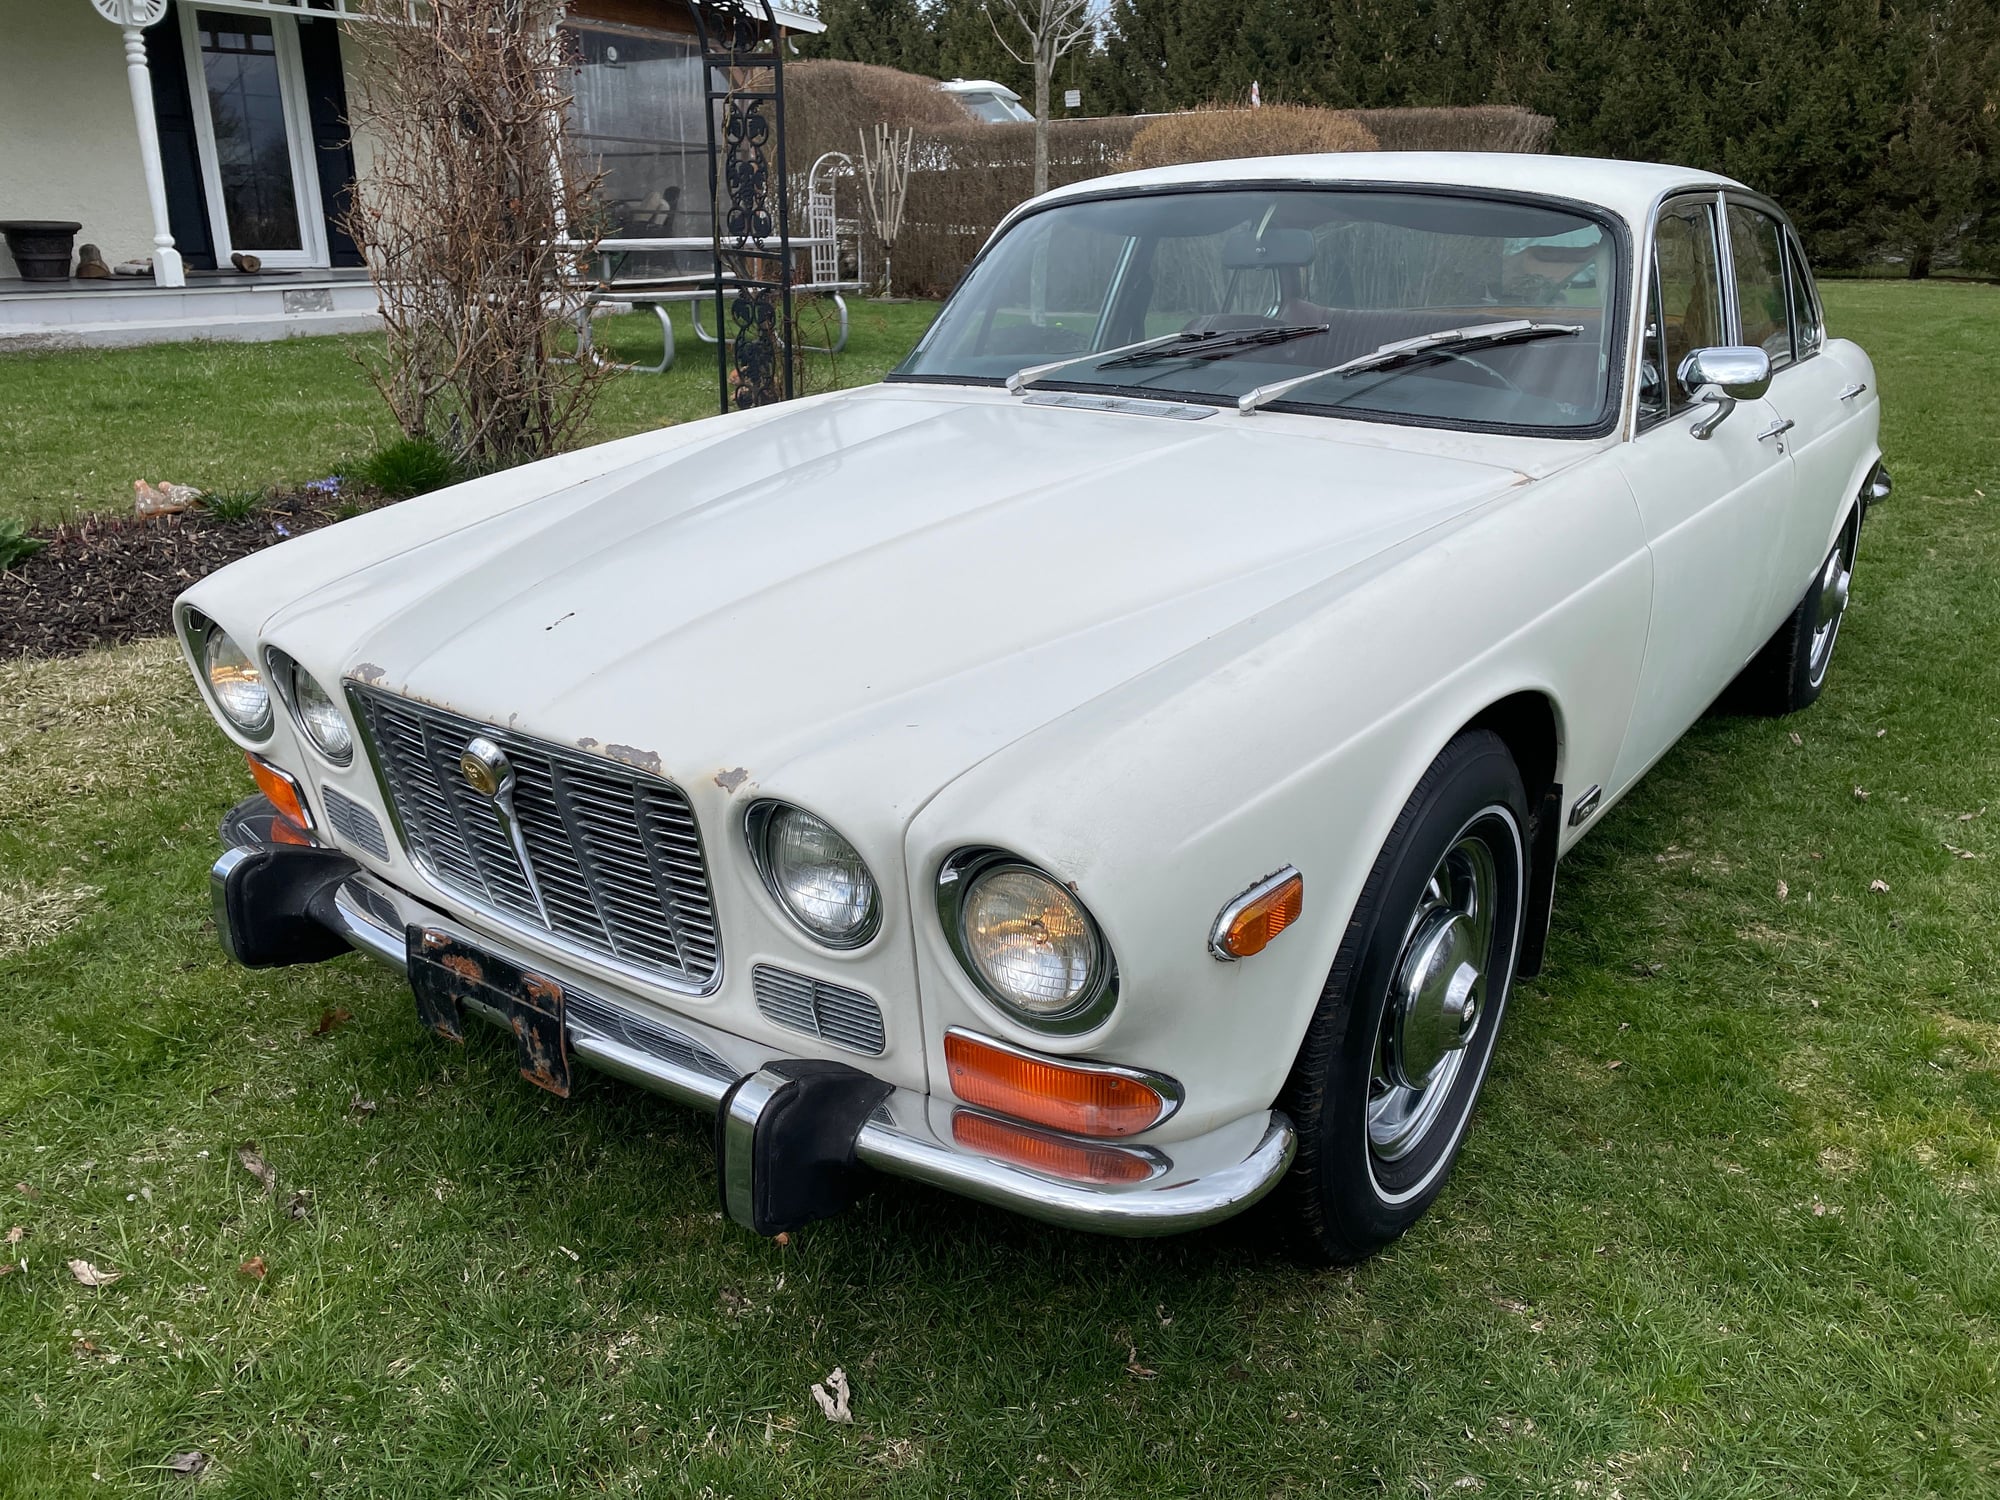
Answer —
1722 376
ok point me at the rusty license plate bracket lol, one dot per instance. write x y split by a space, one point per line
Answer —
446 974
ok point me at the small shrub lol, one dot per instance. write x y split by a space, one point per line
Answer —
406 467
16 545
232 505
1228 134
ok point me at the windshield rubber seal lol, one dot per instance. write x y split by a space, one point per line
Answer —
1610 414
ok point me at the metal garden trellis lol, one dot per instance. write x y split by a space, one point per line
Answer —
744 88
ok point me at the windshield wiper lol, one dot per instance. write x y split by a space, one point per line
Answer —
1021 379
1440 345
1218 344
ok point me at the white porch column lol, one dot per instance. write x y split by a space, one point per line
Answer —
133 17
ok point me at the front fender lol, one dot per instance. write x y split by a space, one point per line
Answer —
1293 739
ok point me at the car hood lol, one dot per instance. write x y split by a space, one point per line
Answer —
902 579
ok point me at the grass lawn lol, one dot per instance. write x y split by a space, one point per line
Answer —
78 426
1728 1223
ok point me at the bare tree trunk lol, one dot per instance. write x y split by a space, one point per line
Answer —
1044 65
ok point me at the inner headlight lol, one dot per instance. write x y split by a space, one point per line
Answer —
314 709
816 875
235 682
1026 941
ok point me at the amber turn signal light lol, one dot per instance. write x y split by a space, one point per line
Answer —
1050 1155
1081 1098
1248 923
284 794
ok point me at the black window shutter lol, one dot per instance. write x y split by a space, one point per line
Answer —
326 103
180 155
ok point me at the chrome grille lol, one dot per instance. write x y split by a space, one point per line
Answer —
615 852
355 824
832 1012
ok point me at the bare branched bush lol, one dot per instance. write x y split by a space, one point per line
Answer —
1229 134
1472 127
476 214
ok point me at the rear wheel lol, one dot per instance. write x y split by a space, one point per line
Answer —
1398 1048
1790 672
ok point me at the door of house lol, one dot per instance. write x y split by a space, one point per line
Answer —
254 132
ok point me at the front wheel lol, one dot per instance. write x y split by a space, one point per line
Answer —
1398 1048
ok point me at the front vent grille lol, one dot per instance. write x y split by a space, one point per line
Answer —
615 852
643 1035
353 823
831 1012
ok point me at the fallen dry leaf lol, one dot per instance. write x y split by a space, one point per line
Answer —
1880 887
1794 737
1784 891
783 1238
299 1205
1861 794
89 1275
188 1464
257 1167
1136 1370
832 1397
1968 817
1615 1063
1961 853
255 1268
8 1269
16 1235
360 1106
25 1191
331 1019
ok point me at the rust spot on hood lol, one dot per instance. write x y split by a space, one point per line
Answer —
369 673
630 755
729 781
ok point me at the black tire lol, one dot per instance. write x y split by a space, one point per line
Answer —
1345 1199
1789 673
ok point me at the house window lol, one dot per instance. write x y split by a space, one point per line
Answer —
253 143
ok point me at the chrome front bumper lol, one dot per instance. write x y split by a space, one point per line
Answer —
1204 1180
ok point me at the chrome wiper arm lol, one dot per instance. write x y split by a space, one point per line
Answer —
1221 343
1021 379
1401 351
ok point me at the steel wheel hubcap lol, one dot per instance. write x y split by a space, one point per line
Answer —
1437 996
1836 580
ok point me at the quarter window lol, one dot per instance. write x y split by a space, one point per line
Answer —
1806 331
1685 311
1757 252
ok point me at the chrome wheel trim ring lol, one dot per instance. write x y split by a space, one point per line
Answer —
1399 1120
1836 582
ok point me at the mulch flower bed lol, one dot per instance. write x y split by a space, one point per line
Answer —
107 579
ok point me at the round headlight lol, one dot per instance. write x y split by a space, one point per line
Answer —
1028 942
235 682
320 717
817 876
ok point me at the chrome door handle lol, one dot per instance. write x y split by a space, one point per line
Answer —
1850 392
1777 429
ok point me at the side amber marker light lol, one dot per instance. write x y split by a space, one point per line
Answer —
1248 923
1051 1155
284 794
1082 1099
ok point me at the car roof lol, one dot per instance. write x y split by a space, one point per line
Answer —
1627 188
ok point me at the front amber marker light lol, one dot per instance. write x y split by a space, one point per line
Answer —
1050 1155
1248 923
285 797
1079 1098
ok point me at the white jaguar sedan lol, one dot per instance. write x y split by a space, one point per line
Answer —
1116 766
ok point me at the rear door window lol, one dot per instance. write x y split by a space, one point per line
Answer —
1757 255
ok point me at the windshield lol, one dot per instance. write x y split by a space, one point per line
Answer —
1325 275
